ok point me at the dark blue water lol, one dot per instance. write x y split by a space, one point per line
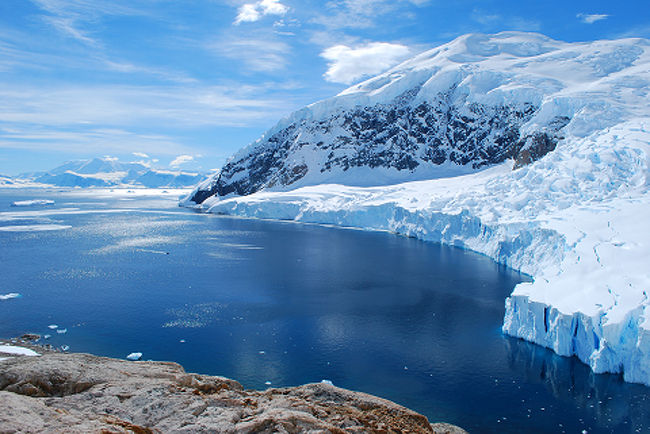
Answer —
414 322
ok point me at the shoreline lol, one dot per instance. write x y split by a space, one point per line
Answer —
76 392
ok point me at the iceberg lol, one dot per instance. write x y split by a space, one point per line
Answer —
17 351
34 202
134 356
9 296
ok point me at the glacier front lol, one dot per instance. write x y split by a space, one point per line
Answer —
573 217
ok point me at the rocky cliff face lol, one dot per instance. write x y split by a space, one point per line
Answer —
80 393
400 136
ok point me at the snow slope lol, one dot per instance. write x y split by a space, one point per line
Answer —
575 220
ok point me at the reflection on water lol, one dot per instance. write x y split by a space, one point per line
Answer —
607 398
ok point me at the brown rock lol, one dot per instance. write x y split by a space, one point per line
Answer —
84 393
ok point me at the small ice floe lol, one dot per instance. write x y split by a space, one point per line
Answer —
134 356
47 336
327 382
182 341
262 352
65 348
34 202
61 331
17 351
9 296
156 252
268 383
34 228
53 326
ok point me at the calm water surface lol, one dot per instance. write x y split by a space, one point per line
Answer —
261 302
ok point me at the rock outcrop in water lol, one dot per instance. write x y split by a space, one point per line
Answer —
84 393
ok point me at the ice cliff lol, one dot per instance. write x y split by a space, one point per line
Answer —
532 151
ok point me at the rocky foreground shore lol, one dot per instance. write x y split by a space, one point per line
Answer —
80 393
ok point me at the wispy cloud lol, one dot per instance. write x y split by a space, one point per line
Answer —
118 119
71 17
359 14
490 21
591 18
88 140
251 12
348 64
140 154
180 160
134 105
257 53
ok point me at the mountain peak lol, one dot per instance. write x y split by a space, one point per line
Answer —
476 101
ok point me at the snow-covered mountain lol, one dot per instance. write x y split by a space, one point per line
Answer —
109 172
532 151
6 180
464 106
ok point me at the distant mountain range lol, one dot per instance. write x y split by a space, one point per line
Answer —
107 172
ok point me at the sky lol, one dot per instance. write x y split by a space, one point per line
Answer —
185 84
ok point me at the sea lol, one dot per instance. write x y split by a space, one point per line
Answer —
277 304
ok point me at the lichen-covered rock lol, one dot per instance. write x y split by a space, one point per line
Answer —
83 393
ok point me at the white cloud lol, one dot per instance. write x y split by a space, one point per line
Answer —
591 18
140 154
346 64
180 160
251 12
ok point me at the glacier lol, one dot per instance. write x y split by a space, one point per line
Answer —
574 219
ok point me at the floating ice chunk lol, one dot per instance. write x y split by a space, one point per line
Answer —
47 336
262 352
18 351
34 202
327 382
53 326
9 296
268 383
134 356
182 341
34 228
62 331
64 348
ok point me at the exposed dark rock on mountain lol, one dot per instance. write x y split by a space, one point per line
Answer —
401 136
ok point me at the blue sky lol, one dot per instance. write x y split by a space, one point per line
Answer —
189 82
